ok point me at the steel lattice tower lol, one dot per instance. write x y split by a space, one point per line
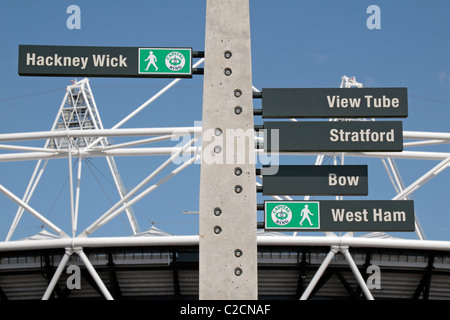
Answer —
78 111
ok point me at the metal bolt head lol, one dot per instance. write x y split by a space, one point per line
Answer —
238 189
237 110
227 54
237 93
217 229
238 271
237 253
218 132
227 71
217 149
237 171
217 212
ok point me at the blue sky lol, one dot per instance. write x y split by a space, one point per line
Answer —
294 44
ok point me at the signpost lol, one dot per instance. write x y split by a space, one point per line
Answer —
317 136
340 215
228 257
130 62
334 103
316 180
332 136
227 220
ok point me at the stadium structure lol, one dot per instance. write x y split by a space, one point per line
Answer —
153 264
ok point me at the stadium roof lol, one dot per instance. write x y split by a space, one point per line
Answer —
155 265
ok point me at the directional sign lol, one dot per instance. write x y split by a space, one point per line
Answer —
315 180
334 102
131 62
317 136
340 215
157 61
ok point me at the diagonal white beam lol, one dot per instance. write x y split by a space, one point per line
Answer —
114 210
423 143
36 176
57 274
121 190
94 274
139 142
99 223
357 274
399 186
422 180
312 284
39 216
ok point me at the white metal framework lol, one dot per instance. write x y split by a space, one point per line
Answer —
394 176
78 133
78 112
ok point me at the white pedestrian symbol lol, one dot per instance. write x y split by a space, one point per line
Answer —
151 61
305 214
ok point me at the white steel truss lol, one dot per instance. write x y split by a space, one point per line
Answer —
78 112
394 176
89 139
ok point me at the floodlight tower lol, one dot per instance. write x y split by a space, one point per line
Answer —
78 111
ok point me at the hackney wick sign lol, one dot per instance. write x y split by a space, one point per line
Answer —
130 62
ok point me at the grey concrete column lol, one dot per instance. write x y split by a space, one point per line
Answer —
228 248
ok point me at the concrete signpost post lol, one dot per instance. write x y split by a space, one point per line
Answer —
227 245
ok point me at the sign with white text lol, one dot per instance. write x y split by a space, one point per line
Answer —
331 136
340 215
130 62
334 103
316 180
